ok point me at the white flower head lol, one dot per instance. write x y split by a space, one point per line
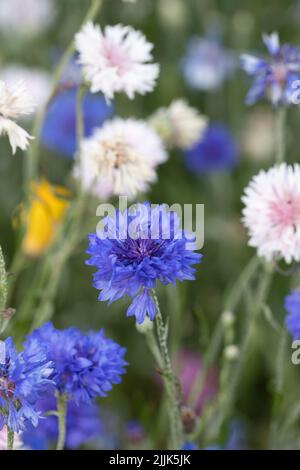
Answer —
116 59
38 80
179 125
15 102
272 212
119 159
18 444
26 17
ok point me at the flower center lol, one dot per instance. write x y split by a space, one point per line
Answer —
280 72
7 387
137 250
285 212
117 57
117 153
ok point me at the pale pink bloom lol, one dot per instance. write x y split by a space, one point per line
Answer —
116 59
15 102
18 444
189 370
119 159
272 212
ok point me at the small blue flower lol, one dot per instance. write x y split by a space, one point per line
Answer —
59 131
217 150
23 378
135 432
273 78
207 64
83 424
85 365
137 250
292 306
237 439
190 446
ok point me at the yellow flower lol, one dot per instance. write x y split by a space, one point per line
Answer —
47 208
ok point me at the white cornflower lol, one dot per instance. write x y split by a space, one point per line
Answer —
116 59
37 80
26 17
179 125
272 212
18 444
14 102
119 159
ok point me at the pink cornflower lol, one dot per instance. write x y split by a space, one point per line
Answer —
116 59
272 213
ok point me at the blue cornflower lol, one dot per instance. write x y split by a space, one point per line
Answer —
217 150
292 320
59 130
273 78
83 424
85 365
189 445
136 250
23 377
207 63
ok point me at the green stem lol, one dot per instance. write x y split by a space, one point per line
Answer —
10 439
32 160
278 387
231 303
281 362
3 281
208 359
17 264
261 296
170 380
4 318
62 421
241 283
79 115
280 121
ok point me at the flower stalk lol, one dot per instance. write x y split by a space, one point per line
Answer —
62 421
170 380
10 439
280 122
32 160
3 281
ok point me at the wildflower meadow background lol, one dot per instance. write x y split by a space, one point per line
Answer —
137 343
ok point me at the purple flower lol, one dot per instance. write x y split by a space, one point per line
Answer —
189 370
59 131
135 251
207 64
217 150
86 366
82 425
273 78
292 306
23 378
